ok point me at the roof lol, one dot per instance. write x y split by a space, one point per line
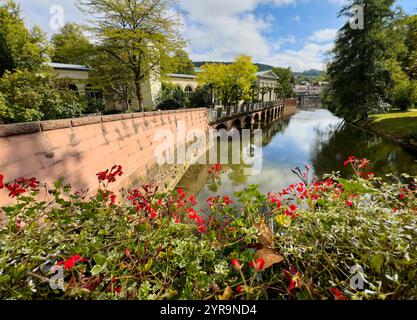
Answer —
266 74
65 66
178 75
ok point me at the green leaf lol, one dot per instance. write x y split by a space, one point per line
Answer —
99 259
377 262
96 270
148 265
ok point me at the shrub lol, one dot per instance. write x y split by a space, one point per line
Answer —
171 98
300 243
201 98
32 97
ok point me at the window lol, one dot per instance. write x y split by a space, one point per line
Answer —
188 91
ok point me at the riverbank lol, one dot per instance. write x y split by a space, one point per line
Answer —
400 127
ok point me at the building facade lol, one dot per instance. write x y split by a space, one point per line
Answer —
78 77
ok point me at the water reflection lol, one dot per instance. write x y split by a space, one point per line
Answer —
316 137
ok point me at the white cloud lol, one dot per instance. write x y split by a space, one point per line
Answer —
296 19
339 2
323 35
220 30
310 56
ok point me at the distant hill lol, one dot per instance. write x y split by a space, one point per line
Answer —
309 73
261 67
312 74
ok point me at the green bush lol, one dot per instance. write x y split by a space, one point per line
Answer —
32 96
171 97
300 243
201 98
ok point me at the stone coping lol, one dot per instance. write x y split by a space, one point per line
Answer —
7 130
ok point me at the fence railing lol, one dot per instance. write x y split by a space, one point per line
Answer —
231 111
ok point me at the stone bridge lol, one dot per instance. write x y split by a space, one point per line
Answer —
251 115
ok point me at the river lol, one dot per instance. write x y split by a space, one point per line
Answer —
315 137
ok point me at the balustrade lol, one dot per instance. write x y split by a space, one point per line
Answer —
229 111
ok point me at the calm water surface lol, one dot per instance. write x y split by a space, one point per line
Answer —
314 137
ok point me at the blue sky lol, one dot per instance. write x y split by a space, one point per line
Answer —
295 33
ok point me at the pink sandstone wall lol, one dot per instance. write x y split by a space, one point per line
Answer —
79 148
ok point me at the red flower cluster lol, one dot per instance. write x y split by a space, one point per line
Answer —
70 263
19 186
357 164
110 175
215 169
275 199
223 201
337 294
258 265
294 277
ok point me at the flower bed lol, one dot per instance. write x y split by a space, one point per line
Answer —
319 239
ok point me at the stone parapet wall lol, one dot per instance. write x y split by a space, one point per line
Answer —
77 149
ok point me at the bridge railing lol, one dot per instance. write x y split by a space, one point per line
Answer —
230 111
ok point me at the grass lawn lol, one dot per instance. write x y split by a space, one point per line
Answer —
402 124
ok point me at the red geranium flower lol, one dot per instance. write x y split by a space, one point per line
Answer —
240 289
337 294
349 203
236 264
294 278
1 181
258 265
15 189
351 159
71 262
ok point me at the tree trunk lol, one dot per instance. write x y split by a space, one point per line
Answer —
138 88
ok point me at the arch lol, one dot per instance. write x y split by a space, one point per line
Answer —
237 124
74 88
268 114
256 117
247 123
263 116
221 126
188 90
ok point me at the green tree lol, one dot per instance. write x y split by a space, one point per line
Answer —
358 73
201 98
285 81
6 59
136 33
70 45
233 82
29 96
179 63
27 49
171 97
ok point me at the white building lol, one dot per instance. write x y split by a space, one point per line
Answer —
78 81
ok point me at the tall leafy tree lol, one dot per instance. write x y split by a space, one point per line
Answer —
358 73
136 33
179 63
28 49
70 45
233 82
285 82
6 59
